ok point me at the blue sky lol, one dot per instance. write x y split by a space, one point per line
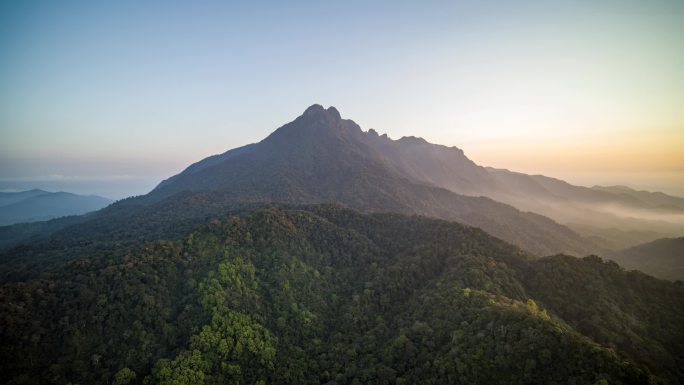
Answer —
111 97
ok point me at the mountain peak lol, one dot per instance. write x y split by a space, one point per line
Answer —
314 109
317 110
332 111
315 124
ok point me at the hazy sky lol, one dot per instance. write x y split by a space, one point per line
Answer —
110 98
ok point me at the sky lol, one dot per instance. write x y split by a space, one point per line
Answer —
110 98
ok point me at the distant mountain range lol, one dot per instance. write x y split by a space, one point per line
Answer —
38 205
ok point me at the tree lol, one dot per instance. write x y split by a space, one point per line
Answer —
124 377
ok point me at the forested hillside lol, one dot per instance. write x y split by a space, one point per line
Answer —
323 294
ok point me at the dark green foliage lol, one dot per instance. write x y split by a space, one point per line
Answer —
124 377
611 306
326 295
233 347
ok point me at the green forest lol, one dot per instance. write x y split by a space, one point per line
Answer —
327 295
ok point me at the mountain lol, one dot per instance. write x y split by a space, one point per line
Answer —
414 160
325 294
240 270
37 205
321 158
663 258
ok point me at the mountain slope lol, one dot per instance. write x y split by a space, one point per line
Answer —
320 158
663 258
36 205
323 294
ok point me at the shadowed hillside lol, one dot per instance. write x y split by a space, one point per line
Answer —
663 258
